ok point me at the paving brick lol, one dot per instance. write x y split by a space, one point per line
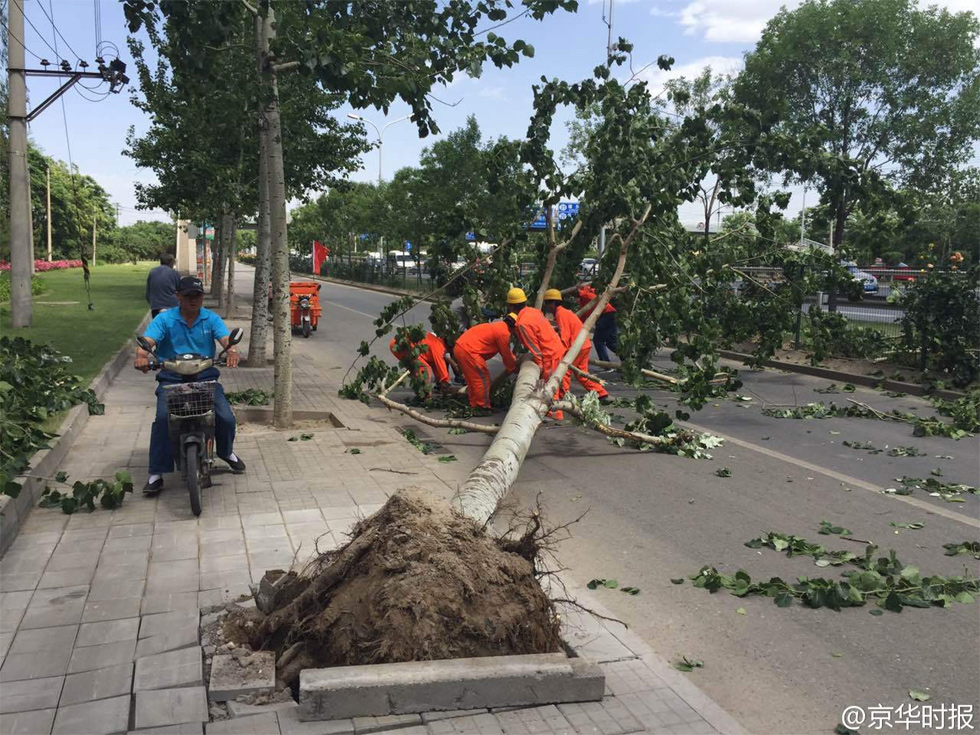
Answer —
240 709
166 623
173 602
223 563
50 608
289 724
183 638
37 722
110 631
188 728
21 696
111 610
179 668
35 665
388 722
91 658
165 707
116 590
113 681
227 681
102 717
130 530
267 724
44 639
428 717
219 580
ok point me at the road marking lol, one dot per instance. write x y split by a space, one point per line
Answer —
341 306
841 477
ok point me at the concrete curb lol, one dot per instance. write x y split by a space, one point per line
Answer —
838 375
45 463
451 684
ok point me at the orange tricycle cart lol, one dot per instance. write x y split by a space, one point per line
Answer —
304 306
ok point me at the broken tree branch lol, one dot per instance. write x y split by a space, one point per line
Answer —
590 376
611 431
438 423
553 251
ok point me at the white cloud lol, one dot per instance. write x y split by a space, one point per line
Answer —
656 78
742 21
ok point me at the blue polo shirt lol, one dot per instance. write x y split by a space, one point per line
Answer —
173 337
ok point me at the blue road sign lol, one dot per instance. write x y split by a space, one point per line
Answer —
470 237
540 223
567 210
408 246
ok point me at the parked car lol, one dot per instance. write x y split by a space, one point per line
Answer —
869 282
587 268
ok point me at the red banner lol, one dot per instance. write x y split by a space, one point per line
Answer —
320 253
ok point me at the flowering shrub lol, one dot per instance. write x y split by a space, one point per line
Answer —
42 265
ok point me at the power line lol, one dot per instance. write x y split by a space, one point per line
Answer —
11 35
51 19
21 6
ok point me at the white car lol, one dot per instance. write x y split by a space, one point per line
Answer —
587 268
869 282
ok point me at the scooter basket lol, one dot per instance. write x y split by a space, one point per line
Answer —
187 400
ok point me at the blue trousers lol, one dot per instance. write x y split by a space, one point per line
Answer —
161 450
606 335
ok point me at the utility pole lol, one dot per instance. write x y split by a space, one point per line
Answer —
609 41
94 221
49 213
21 303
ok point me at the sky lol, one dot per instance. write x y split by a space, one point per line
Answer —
696 33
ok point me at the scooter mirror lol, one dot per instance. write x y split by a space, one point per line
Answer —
145 343
236 336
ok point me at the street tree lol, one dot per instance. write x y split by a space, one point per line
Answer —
861 96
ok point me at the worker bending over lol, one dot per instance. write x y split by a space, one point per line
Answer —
569 325
472 350
537 335
432 360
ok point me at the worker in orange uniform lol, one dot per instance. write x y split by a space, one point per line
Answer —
432 360
537 334
606 331
472 350
569 325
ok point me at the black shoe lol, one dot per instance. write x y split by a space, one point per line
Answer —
152 488
237 466
606 400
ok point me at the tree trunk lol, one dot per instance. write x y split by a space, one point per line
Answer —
232 251
840 217
259 332
554 250
282 415
218 262
491 479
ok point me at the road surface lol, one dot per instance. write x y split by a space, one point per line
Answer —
654 517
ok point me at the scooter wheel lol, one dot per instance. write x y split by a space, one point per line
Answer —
306 330
192 474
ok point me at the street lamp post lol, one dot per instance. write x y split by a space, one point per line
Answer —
381 136
381 140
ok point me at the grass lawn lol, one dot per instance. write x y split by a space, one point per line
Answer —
62 318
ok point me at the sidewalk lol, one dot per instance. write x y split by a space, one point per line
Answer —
99 612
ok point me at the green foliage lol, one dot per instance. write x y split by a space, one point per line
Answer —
687 665
139 241
920 426
830 334
941 317
83 495
833 388
964 411
35 384
249 397
935 487
723 472
412 439
965 547
827 529
37 286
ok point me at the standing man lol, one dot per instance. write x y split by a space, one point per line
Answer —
190 329
161 285
472 350
569 325
606 332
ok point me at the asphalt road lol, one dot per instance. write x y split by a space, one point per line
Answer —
653 517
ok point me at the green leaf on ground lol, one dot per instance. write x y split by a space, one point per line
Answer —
611 584
677 580
353 450
61 477
686 664
827 529
631 590
837 655
919 696
293 439
913 525
965 547
936 472
457 430
723 472
447 458
876 611
740 611
305 437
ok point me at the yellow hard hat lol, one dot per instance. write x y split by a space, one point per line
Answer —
516 296
552 294
511 319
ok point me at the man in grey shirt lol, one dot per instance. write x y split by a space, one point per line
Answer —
161 285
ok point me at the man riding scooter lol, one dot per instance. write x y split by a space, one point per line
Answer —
188 329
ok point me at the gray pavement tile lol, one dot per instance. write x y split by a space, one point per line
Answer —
22 696
36 722
50 608
108 573
218 580
91 658
116 590
111 610
75 559
428 717
173 602
261 519
223 563
127 544
130 530
180 668
44 639
221 596
102 717
218 548
34 665
376 724
267 724
89 686
188 728
14 581
184 637
109 631
66 578
167 623
171 585
166 707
